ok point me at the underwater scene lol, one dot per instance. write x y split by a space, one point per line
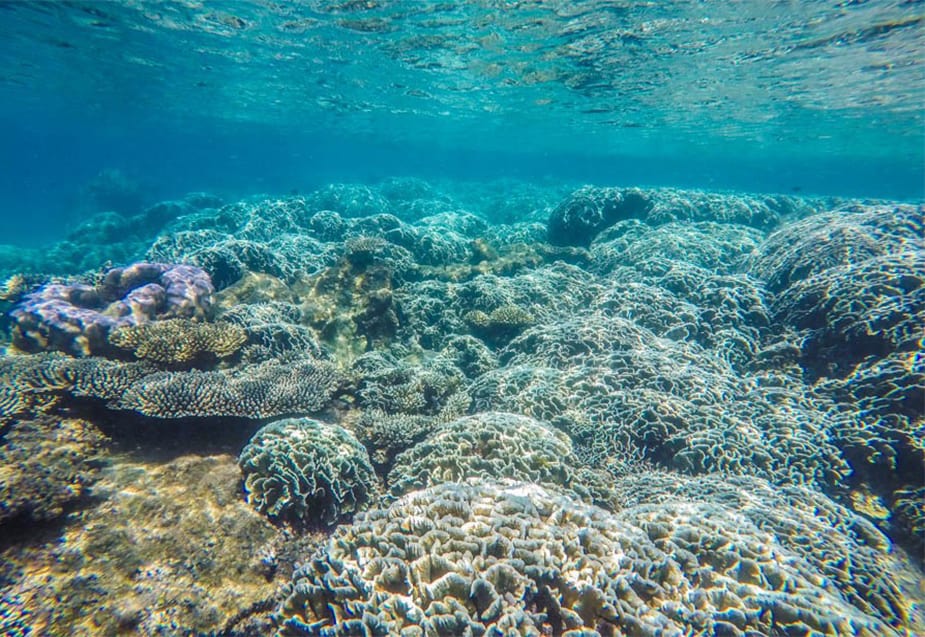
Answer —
495 318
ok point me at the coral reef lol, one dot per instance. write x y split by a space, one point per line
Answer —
274 387
849 313
850 234
502 324
77 318
494 446
518 559
599 411
46 464
435 386
622 393
587 211
171 549
179 341
841 545
857 308
271 388
306 472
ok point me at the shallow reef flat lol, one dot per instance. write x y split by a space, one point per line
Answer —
424 409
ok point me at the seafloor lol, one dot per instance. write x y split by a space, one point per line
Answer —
467 409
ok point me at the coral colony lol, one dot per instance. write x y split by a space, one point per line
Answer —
400 410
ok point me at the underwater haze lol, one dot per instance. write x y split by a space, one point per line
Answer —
568 318
784 96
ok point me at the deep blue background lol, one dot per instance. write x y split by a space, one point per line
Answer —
47 158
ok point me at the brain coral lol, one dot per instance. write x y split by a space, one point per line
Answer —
493 445
77 318
516 559
306 472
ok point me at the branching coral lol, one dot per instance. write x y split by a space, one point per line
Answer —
179 341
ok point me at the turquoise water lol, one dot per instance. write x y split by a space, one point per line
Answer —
486 318
814 97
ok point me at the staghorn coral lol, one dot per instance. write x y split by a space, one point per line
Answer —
517 559
494 446
46 464
77 318
306 472
179 341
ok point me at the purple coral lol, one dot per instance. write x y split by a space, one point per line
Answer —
77 318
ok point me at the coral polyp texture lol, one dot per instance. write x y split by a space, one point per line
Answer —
264 389
468 409
518 559
857 308
267 389
306 472
179 341
494 446
77 317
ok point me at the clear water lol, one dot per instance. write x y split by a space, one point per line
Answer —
782 96
660 263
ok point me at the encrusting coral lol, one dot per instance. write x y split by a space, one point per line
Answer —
46 464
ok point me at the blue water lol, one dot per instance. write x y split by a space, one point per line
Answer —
810 97
520 317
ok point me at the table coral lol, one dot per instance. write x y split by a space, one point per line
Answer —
179 341
274 387
271 388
